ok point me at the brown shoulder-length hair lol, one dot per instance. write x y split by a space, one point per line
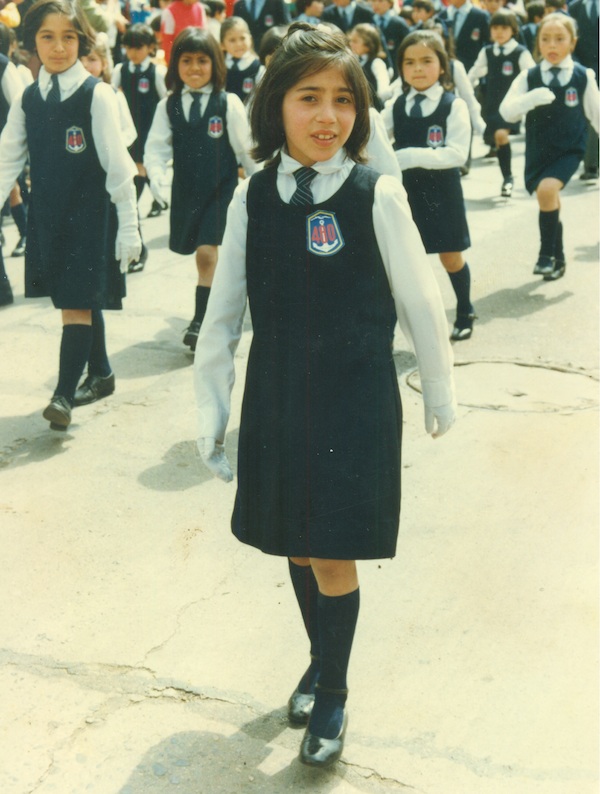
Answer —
36 15
433 41
304 51
196 40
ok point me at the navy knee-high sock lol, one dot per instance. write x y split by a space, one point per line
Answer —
337 624
202 296
548 230
74 353
98 363
559 251
307 593
20 218
461 284
505 160
6 295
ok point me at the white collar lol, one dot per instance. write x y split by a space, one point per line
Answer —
288 165
510 45
67 79
206 89
566 63
143 65
434 92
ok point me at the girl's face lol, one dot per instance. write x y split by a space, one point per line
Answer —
195 69
237 42
420 15
318 116
501 34
315 9
94 63
421 67
357 45
555 42
137 55
380 7
57 43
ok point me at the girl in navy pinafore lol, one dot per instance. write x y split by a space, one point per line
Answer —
319 245
432 130
204 130
557 96
67 121
244 69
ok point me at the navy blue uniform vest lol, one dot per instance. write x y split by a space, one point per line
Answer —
142 98
502 71
368 73
4 106
319 445
204 175
67 246
555 133
435 195
242 82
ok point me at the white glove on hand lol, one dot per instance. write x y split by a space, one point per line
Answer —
443 416
214 458
128 246
538 96
156 188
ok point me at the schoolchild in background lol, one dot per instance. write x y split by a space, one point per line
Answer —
501 63
422 12
365 43
308 11
469 28
431 130
320 294
177 16
556 96
18 58
392 29
271 40
158 59
535 12
585 14
244 69
216 14
260 15
11 87
204 130
143 84
68 123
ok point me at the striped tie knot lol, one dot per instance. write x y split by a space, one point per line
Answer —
54 93
303 194
555 82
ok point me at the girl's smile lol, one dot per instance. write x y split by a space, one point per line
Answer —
555 42
318 116
421 67
195 69
237 42
57 43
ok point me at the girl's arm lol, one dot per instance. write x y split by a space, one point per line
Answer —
382 78
238 131
465 91
479 68
456 149
159 145
160 74
381 157
519 100
417 298
128 130
526 61
13 149
590 100
112 151
115 80
214 372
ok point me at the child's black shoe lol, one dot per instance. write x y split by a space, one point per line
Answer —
559 270
94 388
58 413
191 335
544 265
20 247
507 187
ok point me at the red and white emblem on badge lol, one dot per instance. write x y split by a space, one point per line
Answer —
435 136
143 85
323 235
75 140
475 34
248 85
507 68
215 126
571 97
269 20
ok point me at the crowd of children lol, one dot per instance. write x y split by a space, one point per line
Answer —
216 92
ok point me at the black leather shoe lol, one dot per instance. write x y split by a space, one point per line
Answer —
559 270
94 388
588 176
322 753
463 327
155 210
191 334
6 295
20 247
300 707
58 413
507 187
544 265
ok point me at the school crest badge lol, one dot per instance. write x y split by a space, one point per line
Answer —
269 20
571 97
435 136
248 85
75 140
215 126
323 235
143 85
507 69
475 34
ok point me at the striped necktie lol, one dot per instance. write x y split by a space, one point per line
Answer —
195 108
416 111
53 97
555 82
303 194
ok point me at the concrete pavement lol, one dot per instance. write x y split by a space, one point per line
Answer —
143 650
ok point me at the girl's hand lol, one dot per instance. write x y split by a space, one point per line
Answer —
214 458
539 96
156 190
439 420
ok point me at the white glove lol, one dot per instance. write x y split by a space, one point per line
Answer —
443 416
156 188
128 246
538 96
213 455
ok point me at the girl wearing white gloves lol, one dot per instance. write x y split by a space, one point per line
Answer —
67 122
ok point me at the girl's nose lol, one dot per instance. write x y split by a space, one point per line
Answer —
326 111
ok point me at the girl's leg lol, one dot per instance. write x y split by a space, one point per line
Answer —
548 196
460 278
17 210
307 592
206 262
100 381
502 141
75 348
